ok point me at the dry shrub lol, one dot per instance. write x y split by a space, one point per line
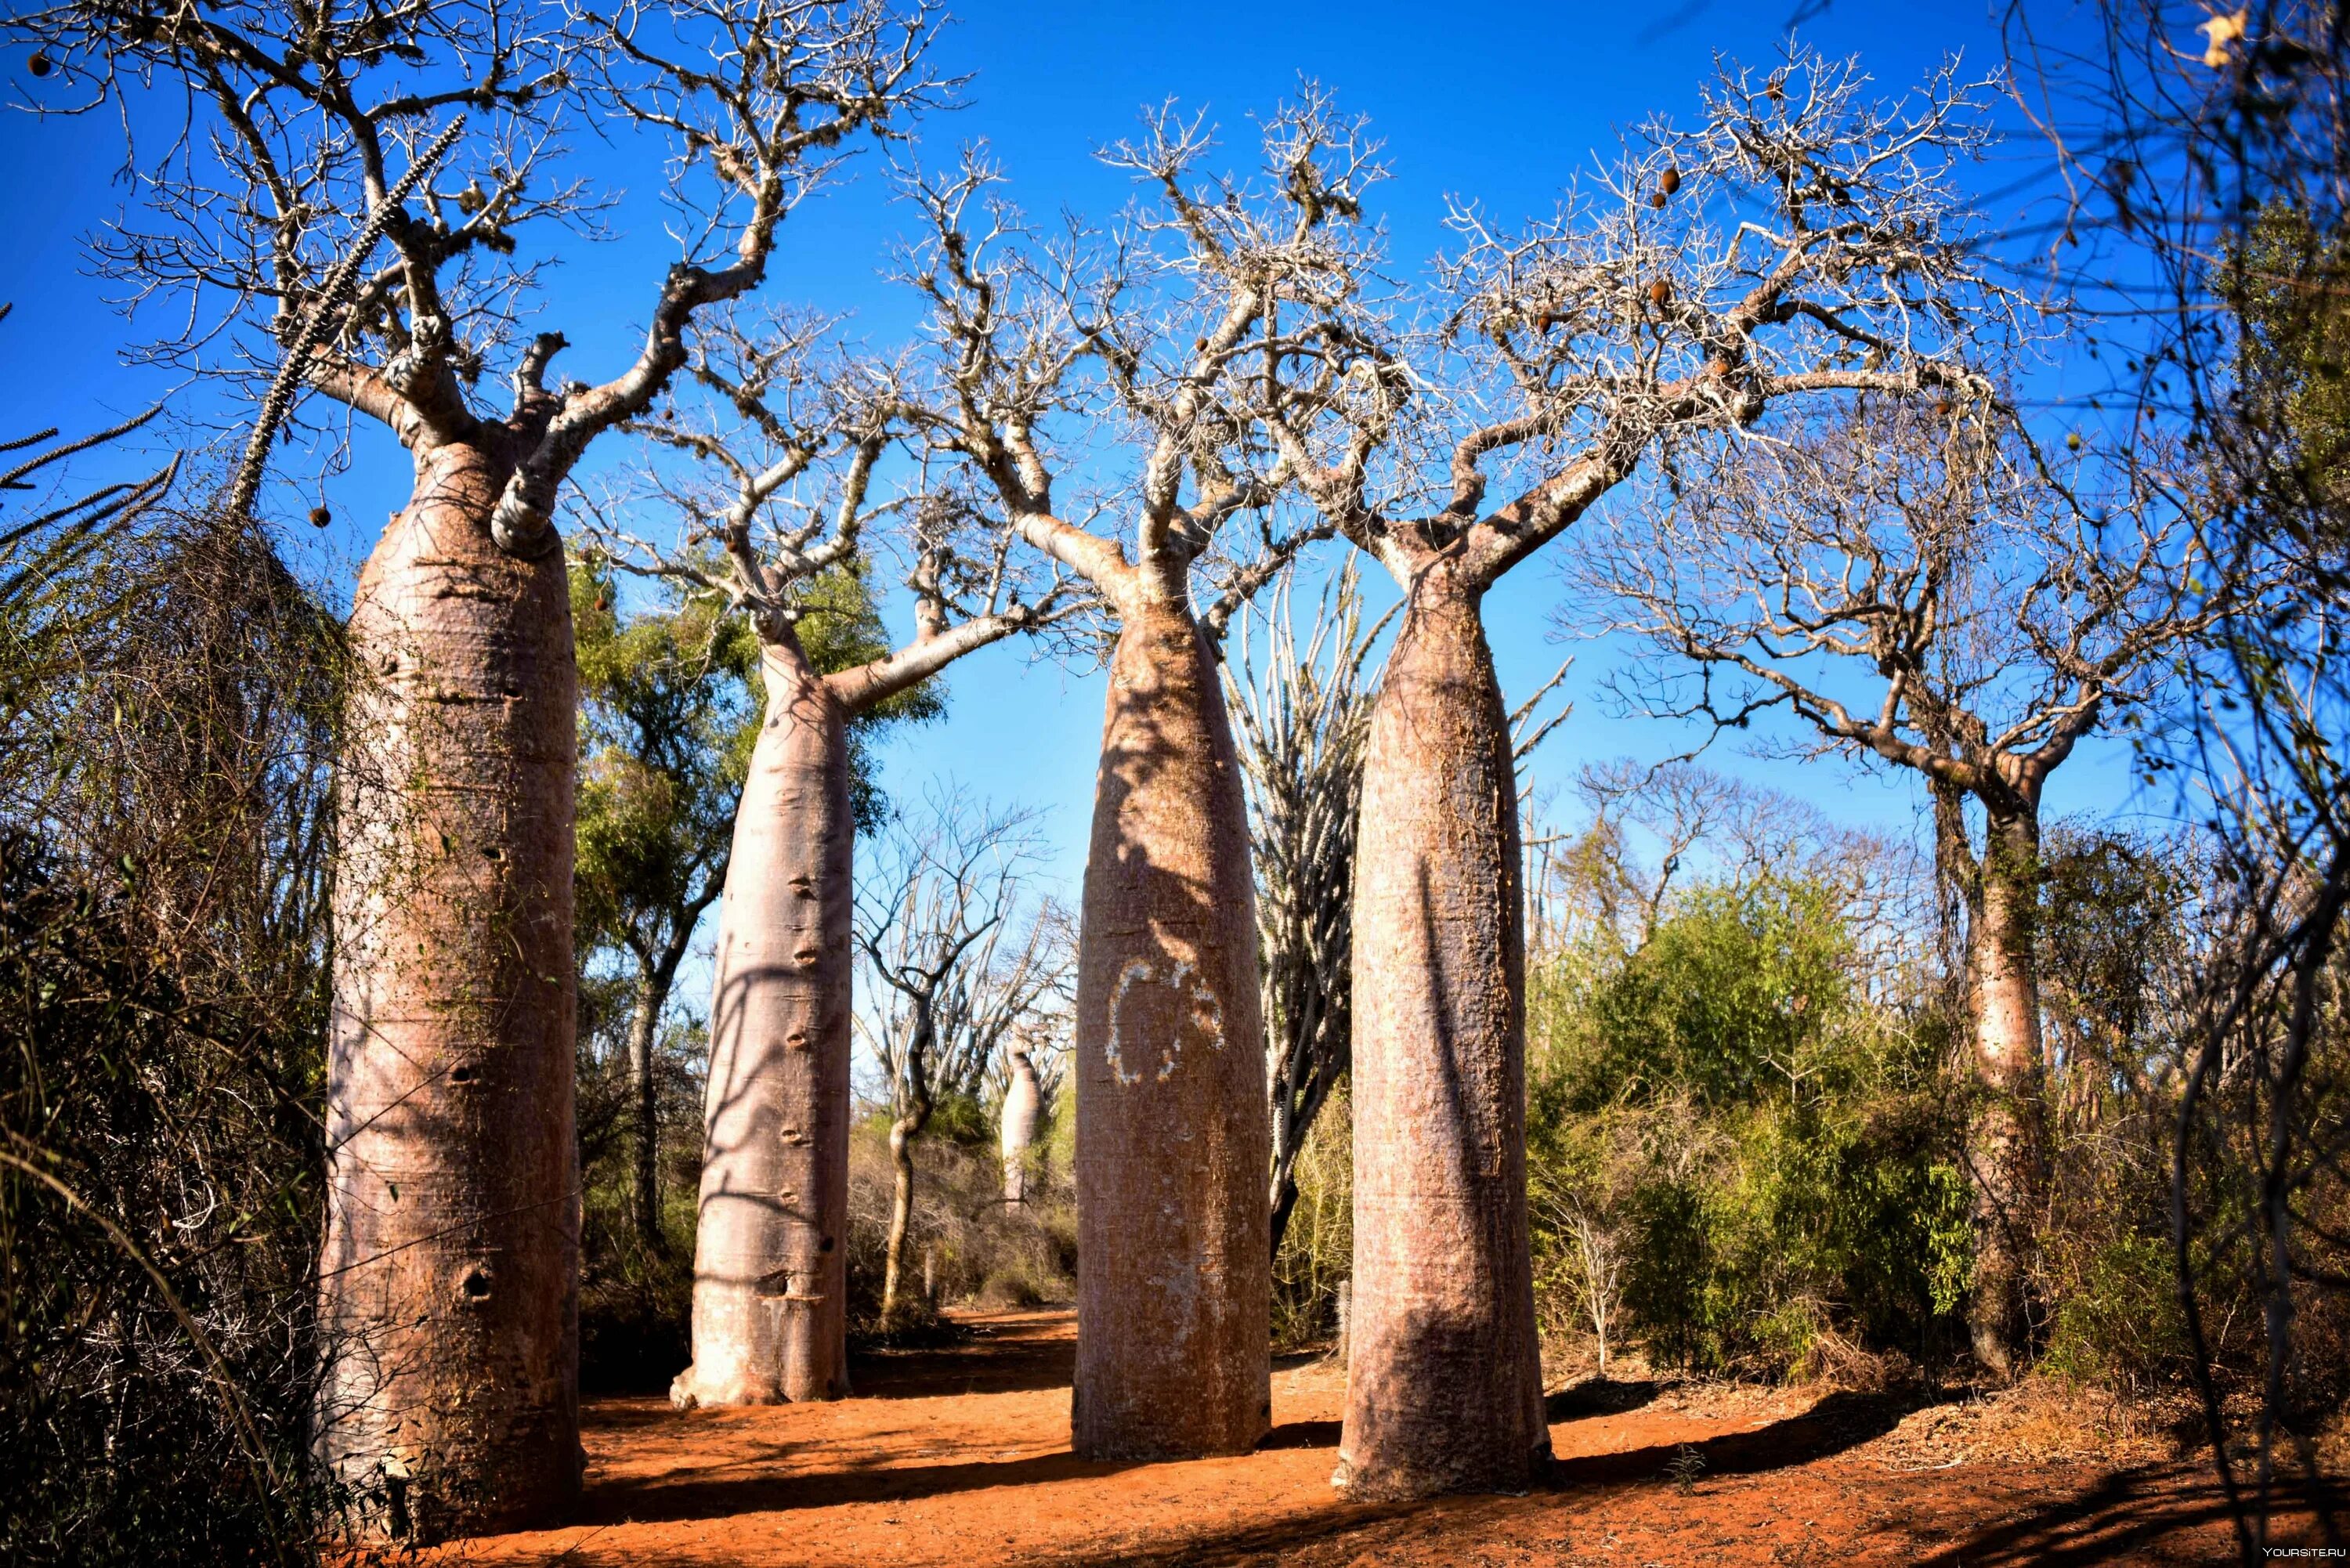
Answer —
2040 1421
1317 1249
1834 1361
162 998
966 1246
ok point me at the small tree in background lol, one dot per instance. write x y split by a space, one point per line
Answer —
666 723
1908 582
959 972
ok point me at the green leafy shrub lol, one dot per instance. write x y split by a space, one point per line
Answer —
1769 1147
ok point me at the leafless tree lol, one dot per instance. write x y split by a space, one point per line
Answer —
789 483
1906 580
1652 826
940 929
1802 238
1155 324
1302 718
448 1278
1598 1260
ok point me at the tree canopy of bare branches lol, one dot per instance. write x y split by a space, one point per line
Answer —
1153 329
1804 237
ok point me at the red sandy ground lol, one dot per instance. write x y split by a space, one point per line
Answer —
960 1457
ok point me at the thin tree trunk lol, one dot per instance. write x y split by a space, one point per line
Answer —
902 1212
1444 1382
1174 1278
2003 999
447 1300
770 1266
1023 1102
644 1035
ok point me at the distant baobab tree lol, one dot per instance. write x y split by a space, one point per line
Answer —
962 958
788 486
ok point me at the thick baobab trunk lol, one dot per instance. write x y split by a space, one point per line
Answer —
770 1263
644 1035
2003 999
902 1133
448 1300
1174 1278
1024 1105
1444 1382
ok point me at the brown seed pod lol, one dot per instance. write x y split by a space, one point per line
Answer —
1942 409
320 516
38 65
1660 293
1657 199
1670 180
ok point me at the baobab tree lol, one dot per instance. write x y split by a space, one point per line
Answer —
1905 579
1156 324
1800 239
449 1277
670 709
797 455
957 972
1027 1077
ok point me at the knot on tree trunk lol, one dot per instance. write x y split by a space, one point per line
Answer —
523 524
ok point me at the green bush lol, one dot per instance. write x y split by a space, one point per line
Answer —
1771 1149
2118 1323
966 1246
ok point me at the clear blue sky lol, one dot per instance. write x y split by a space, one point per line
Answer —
1502 101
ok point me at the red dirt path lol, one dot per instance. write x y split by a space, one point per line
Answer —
960 1457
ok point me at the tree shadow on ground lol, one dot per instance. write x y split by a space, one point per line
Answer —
1598 1397
1836 1423
1839 1422
1301 1435
986 1362
672 1500
2137 1515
